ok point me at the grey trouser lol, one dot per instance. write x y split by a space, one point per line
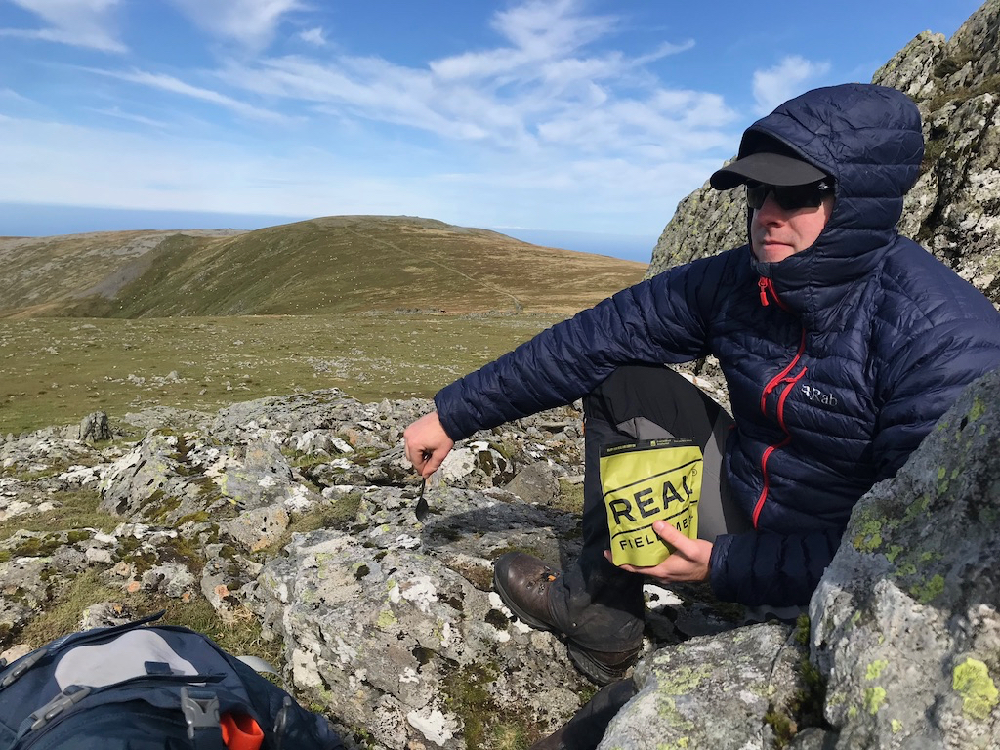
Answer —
597 604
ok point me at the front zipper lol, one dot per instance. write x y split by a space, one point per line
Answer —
780 412
766 290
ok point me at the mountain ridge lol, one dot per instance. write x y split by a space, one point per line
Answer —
328 264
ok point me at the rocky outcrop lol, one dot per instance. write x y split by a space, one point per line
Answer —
906 626
295 516
298 513
954 209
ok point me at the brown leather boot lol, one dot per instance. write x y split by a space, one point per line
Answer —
524 583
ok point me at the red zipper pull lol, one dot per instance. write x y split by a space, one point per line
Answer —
764 283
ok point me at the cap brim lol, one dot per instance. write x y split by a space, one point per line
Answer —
766 167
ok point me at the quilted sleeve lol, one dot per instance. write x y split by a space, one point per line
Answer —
766 568
659 320
927 379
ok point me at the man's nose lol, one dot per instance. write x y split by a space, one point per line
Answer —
769 212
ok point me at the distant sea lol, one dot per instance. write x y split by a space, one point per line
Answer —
39 220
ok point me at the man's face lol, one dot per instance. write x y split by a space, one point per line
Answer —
777 233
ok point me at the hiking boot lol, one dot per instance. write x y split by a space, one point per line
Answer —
524 583
602 667
586 729
553 742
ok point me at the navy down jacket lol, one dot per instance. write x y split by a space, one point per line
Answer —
839 359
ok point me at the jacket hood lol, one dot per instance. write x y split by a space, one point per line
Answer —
868 138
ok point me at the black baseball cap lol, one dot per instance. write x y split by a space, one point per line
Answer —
767 167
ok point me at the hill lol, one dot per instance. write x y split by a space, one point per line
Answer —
326 265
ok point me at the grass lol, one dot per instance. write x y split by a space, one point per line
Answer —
239 634
381 307
78 509
327 265
57 370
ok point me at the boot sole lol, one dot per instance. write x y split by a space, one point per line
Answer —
593 670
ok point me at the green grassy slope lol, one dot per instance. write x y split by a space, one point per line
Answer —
381 307
357 263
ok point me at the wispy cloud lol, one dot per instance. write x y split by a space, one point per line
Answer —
313 36
177 86
12 96
789 78
251 23
130 117
544 89
79 23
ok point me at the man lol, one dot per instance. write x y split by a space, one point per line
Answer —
841 342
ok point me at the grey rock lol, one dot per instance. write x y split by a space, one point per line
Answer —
713 692
154 482
256 474
535 483
257 529
379 621
906 626
95 427
172 579
103 615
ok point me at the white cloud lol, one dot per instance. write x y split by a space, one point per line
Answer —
540 31
52 162
545 91
120 115
789 78
79 23
551 127
177 86
251 23
313 36
11 95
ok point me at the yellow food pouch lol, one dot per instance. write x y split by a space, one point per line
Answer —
646 481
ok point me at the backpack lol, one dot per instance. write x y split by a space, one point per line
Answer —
133 687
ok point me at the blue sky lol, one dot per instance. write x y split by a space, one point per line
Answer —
565 116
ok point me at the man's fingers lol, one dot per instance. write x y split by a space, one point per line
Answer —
431 463
669 533
426 444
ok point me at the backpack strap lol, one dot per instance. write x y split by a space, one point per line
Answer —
65 699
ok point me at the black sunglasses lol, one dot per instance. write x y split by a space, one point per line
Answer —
788 197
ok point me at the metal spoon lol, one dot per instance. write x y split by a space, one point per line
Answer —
422 507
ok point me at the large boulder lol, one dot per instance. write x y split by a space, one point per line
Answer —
732 691
392 625
906 629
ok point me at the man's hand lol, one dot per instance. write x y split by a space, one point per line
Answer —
426 444
688 562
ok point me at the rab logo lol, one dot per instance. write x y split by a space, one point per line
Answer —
816 395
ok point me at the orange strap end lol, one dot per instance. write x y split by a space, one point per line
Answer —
241 732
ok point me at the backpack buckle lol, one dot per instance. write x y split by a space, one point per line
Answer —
23 666
201 710
65 699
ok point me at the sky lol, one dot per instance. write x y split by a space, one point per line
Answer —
579 122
